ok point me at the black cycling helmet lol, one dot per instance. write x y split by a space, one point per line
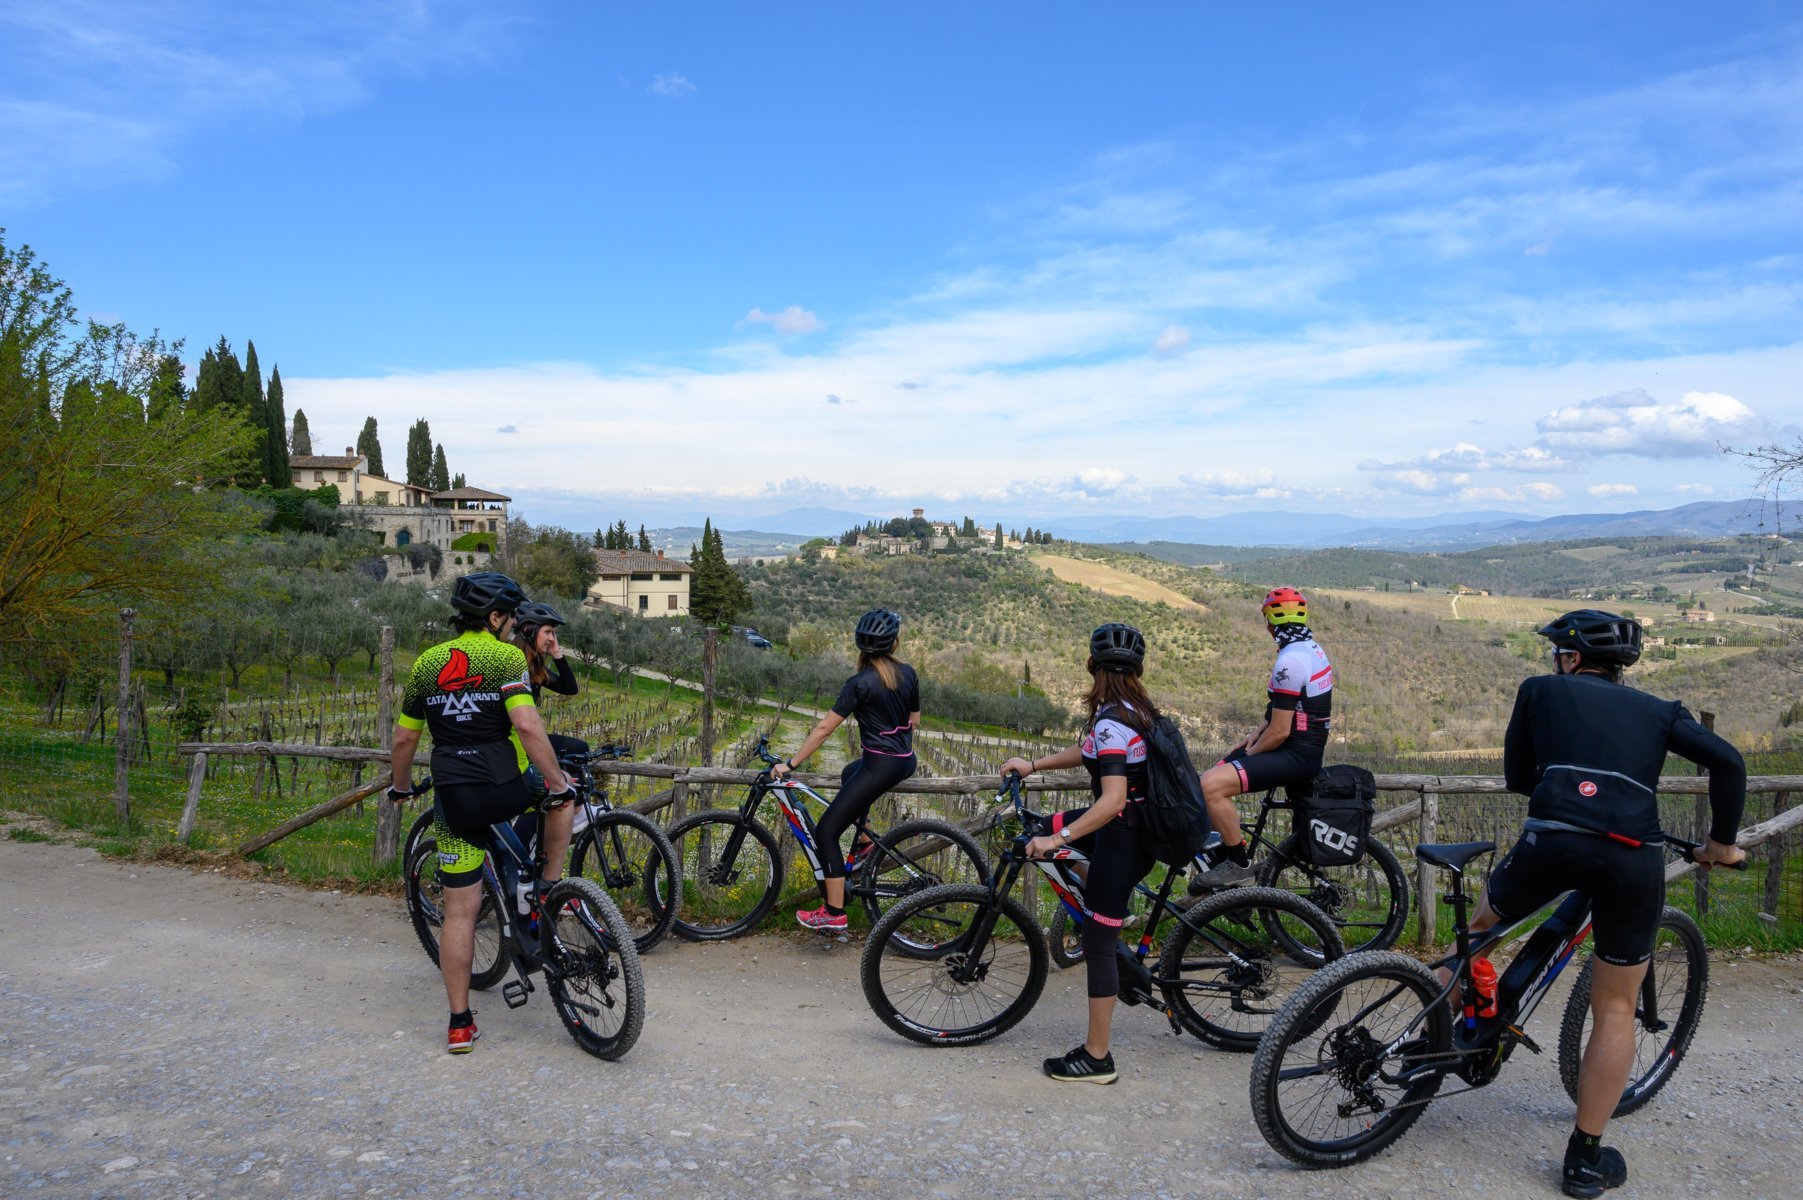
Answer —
1601 637
533 613
1117 647
876 631
485 592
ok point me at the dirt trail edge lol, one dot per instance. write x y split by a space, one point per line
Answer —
165 1033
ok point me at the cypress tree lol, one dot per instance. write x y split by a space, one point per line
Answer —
370 446
998 535
419 454
276 410
229 376
441 473
303 437
644 540
167 392
457 481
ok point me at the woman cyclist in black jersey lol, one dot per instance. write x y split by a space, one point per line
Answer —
1114 751
535 632
1587 752
884 696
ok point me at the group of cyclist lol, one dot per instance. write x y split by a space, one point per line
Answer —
1583 747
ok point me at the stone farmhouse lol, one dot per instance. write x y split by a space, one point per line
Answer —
404 514
641 582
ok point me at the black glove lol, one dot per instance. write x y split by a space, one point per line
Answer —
556 800
398 794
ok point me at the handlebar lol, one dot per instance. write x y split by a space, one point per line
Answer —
613 750
1687 852
418 789
762 752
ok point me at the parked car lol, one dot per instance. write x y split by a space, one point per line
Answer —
757 640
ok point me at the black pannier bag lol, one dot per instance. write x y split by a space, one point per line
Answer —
1334 814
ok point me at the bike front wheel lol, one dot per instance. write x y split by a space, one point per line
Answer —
731 874
425 908
1666 1012
1225 975
593 975
1351 1059
910 859
977 965
632 858
1368 901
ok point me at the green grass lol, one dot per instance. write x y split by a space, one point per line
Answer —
21 833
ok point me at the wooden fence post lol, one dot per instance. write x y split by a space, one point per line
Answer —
121 733
1774 862
197 775
1427 901
388 816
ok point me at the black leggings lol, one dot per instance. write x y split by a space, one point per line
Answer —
860 784
1118 860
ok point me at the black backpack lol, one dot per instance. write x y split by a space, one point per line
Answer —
1334 815
1174 824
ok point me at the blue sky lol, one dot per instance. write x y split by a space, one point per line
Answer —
1018 260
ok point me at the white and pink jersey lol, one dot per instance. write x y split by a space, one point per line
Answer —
1113 747
1302 683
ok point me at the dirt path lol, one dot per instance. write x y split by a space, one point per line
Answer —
169 1034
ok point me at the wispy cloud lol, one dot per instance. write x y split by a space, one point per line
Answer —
1613 489
672 84
793 319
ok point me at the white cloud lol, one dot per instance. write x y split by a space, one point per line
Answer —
1613 489
793 319
1696 489
1633 422
1465 456
1527 493
1171 339
1229 483
507 429
672 84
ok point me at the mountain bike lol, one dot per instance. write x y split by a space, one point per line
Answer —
626 852
981 957
573 934
733 872
1360 1049
1367 900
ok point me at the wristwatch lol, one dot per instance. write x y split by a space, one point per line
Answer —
1064 835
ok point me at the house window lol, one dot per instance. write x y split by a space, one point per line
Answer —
644 604
344 476
319 477
491 526
611 578
672 604
670 578
641 577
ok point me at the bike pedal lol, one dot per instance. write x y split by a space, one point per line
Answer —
1521 1036
514 992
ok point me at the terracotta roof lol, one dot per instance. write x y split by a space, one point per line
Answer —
310 462
469 493
626 561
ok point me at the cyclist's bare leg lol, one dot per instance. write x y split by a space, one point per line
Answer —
558 824
457 942
1101 1019
1609 1056
1220 784
833 888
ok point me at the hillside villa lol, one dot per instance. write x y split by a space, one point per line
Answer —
641 582
405 514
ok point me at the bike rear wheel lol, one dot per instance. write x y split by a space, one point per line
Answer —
1225 975
425 908
1327 1089
632 858
898 867
1367 900
594 976
1666 1013
950 990
731 874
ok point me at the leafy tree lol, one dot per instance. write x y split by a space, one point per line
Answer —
970 528
419 454
644 540
168 393
547 559
104 506
600 540
457 481
276 468
441 473
303 437
370 446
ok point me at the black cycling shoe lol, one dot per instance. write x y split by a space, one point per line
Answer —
1587 1178
1079 1067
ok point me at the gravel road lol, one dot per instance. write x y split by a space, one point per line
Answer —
170 1033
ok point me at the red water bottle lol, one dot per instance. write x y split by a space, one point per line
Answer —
1483 980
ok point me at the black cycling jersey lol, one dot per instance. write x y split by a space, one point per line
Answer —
462 690
882 714
1587 753
562 680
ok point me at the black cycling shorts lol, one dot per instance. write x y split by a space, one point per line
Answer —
1626 886
1291 763
465 813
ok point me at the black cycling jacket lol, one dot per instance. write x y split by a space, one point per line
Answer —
1587 752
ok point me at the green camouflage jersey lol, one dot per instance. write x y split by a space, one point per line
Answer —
461 690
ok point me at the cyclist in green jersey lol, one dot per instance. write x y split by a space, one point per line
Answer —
474 693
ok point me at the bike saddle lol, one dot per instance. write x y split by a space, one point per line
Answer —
1453 855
